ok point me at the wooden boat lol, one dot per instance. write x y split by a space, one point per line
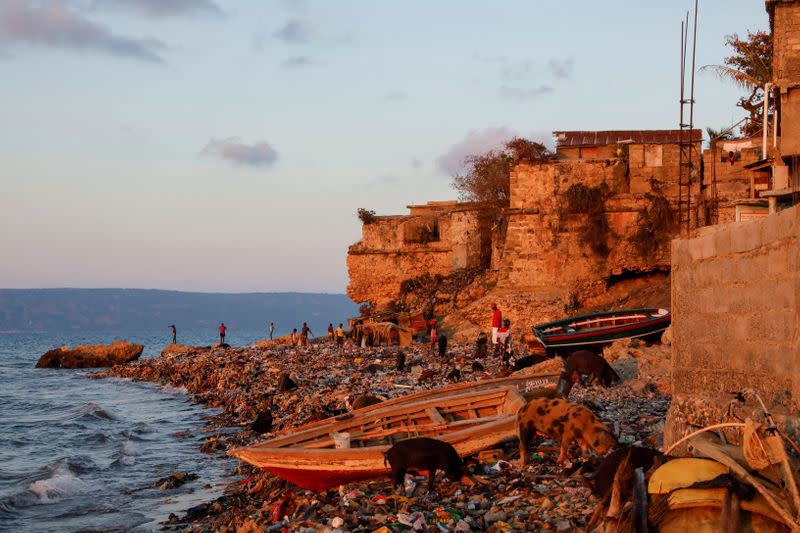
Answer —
471 416
599 329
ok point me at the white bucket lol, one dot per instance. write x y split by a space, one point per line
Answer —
341 440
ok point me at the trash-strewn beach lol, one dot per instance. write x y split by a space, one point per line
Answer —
243 381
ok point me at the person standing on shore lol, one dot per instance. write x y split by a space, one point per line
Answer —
271 329
174 334
330 333
304 334
293 337
222 330
340 336
497 321
434 337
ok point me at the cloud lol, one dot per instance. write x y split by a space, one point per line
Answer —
295 31
396 96
473 143
416 163
164 8
56 26
524 94
298 62
561 70
259 154
518 70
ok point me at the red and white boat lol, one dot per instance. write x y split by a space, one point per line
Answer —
470 416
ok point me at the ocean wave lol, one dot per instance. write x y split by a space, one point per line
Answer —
169 389
127 454
61 483
93 410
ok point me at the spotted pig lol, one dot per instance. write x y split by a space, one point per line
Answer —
564 421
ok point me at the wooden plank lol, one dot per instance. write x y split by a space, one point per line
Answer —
434 415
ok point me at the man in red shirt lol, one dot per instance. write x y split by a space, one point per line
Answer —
222 330
497 320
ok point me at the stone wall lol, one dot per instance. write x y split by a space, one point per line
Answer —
735 295
436 239
544 244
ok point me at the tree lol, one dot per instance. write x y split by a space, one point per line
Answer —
750 67
487 178
717 135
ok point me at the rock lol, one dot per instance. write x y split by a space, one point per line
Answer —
494 517
118 353
175 480
666 337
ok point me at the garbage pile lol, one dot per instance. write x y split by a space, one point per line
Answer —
245 382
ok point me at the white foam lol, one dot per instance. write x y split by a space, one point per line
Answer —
61 484
174 390
131 448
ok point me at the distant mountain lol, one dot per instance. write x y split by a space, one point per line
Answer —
140 309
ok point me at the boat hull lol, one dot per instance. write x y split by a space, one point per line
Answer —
319 470
561 334
486 418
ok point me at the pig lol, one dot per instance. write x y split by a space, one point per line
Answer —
424 454
477 367
481 345
586 362
263 422
637 457
562 420
365 400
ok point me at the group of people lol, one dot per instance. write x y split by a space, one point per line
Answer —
501 335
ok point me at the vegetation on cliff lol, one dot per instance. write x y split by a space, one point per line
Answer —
590 201
488 176
750 67
656 224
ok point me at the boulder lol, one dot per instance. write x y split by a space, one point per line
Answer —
119 352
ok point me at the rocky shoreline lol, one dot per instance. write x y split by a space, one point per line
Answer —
243 381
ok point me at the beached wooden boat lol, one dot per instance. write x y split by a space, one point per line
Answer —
598 329
471 420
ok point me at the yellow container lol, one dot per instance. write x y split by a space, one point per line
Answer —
490 456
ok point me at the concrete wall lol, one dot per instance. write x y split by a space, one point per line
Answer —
735 295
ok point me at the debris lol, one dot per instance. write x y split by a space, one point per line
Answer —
242 382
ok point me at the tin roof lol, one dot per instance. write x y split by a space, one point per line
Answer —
565 139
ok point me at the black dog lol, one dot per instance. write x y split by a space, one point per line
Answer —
529 360
424 454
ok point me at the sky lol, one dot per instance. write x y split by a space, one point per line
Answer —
225 146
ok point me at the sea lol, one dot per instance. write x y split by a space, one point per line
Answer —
82 454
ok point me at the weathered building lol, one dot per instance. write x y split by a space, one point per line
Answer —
549 244
733 179
437 238
545 243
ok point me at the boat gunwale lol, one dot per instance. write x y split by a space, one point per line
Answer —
548 337
308 434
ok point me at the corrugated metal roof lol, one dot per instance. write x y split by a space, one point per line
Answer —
566 139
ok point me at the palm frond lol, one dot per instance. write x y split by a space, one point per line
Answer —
738 77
